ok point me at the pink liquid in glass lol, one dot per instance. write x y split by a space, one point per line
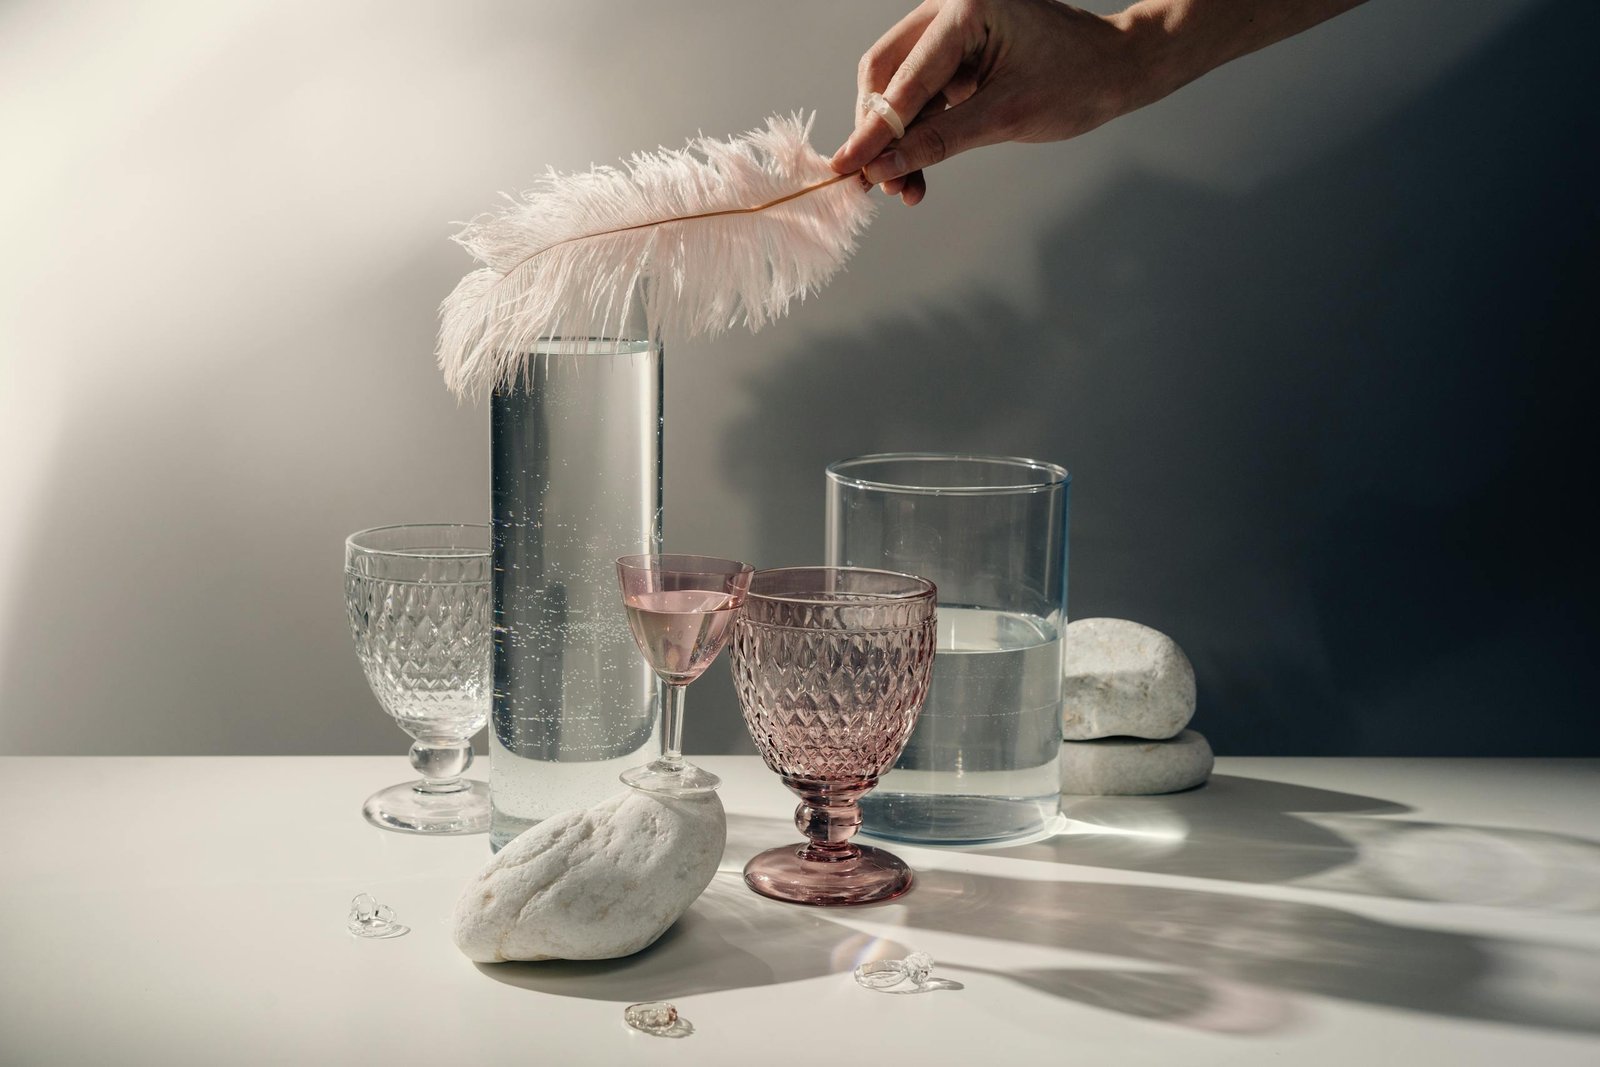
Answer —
680 631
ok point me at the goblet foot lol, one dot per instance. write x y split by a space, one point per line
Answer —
861 875
412 807
671 779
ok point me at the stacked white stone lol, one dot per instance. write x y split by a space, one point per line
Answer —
1127 697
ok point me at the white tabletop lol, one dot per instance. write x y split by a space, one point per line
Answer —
191 910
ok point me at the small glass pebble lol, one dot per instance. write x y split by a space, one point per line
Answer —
918 965
881 974
657 1018
368 918
915 973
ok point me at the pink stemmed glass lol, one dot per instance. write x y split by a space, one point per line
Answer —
679 609
831 665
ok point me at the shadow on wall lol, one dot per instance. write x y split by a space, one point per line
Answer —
1325 433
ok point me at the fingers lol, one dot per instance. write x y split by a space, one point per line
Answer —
914 181
889 51
933 61
870 137
914 189
962 86
941 44
933 139
877 66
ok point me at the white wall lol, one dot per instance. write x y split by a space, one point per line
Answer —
223 237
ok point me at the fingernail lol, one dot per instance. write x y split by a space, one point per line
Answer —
889 165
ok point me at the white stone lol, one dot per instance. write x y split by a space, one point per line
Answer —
593 884
1121 679
1131 766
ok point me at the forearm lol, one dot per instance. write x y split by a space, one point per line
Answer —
1040 70
1179 40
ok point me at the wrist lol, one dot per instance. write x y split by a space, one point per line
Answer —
1158 59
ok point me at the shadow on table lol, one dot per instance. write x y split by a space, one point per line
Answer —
1452 863
1216 962
1238 829
1182 998
730 939
1251 830
750 834
1234 958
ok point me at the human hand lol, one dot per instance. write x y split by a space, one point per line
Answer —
979 72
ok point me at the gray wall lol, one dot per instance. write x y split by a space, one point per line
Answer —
1305 334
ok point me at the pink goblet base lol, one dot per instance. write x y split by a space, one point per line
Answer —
827 870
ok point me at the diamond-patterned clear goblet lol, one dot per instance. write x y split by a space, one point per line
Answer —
418 598
831 665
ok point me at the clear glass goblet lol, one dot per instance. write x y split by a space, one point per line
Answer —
831 665
679 609
418 598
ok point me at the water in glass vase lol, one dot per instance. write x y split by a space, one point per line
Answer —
992 724
576 466
680 631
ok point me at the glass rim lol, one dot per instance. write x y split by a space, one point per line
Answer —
352 545
590 344
838 471
926 591
642 560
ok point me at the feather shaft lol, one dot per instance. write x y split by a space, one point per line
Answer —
689 218
705 237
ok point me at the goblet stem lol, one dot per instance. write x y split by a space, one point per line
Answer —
443 802
829 816
441 764
828 869
669 773
672 726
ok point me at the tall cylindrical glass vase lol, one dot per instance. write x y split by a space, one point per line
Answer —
991 533
576 443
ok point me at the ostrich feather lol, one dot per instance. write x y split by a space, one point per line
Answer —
708 236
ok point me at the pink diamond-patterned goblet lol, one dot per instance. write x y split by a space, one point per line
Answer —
831 665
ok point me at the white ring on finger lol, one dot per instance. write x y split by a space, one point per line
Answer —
880 107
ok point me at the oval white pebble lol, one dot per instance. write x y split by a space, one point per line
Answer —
593 884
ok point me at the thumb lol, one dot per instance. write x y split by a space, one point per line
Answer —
937 137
